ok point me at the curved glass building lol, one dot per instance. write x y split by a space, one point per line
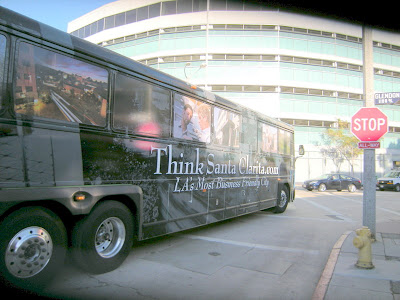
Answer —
304 70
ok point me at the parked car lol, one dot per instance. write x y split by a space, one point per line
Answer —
333 182
391 181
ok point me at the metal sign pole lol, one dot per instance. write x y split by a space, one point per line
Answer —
369 178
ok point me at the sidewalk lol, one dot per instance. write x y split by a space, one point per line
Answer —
341 279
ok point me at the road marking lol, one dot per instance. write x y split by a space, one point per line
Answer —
334 218
251 245
389 211
331 211
379 208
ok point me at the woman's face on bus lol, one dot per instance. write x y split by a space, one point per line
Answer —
203 120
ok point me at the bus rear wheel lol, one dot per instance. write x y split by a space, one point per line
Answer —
103 239
33 247
283 200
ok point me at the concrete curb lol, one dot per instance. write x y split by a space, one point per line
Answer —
323 283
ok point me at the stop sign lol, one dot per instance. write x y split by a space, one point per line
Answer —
369 124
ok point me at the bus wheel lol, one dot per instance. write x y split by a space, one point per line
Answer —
103 239
283 200
33 247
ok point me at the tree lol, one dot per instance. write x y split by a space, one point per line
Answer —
340 145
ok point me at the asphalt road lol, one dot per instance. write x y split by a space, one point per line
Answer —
257 256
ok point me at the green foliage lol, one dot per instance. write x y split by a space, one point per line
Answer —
340 145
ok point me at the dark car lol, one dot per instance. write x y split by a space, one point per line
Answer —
333 182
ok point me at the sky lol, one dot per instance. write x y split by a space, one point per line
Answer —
56 13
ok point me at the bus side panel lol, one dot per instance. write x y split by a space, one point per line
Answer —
183 186
32 156
118 160
11 157
122 160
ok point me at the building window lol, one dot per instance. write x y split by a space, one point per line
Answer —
184 6
109 22
131 16
142 13
120 19
199 5
168 8
155 10
234 5
218 5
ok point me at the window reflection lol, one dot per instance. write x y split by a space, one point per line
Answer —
141 108
227 128
269 139
3 41
55 86
284 142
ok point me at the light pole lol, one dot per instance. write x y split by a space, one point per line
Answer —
369 180
188 78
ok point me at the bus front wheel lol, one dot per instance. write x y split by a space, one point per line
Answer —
283 200
103 239
33 247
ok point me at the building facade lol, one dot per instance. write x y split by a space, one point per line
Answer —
304 70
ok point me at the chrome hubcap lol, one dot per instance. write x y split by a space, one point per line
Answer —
110 237
28 252
283 199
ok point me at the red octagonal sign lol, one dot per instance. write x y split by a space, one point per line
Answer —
369 124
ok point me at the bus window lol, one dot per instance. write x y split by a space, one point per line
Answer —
284 142
192 119
3 41
227 127
141 108
55 86
269 139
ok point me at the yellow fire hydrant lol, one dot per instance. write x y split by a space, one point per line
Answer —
363 242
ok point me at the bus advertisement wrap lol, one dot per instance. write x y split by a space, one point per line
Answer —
98 151
210 167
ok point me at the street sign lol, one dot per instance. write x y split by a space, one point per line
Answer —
369 124
387 98
369 145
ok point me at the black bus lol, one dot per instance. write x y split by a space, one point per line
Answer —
97 150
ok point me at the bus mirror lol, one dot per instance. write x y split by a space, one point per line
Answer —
301 150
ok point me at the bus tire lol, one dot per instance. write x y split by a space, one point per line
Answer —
33 247
283 200
102 240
